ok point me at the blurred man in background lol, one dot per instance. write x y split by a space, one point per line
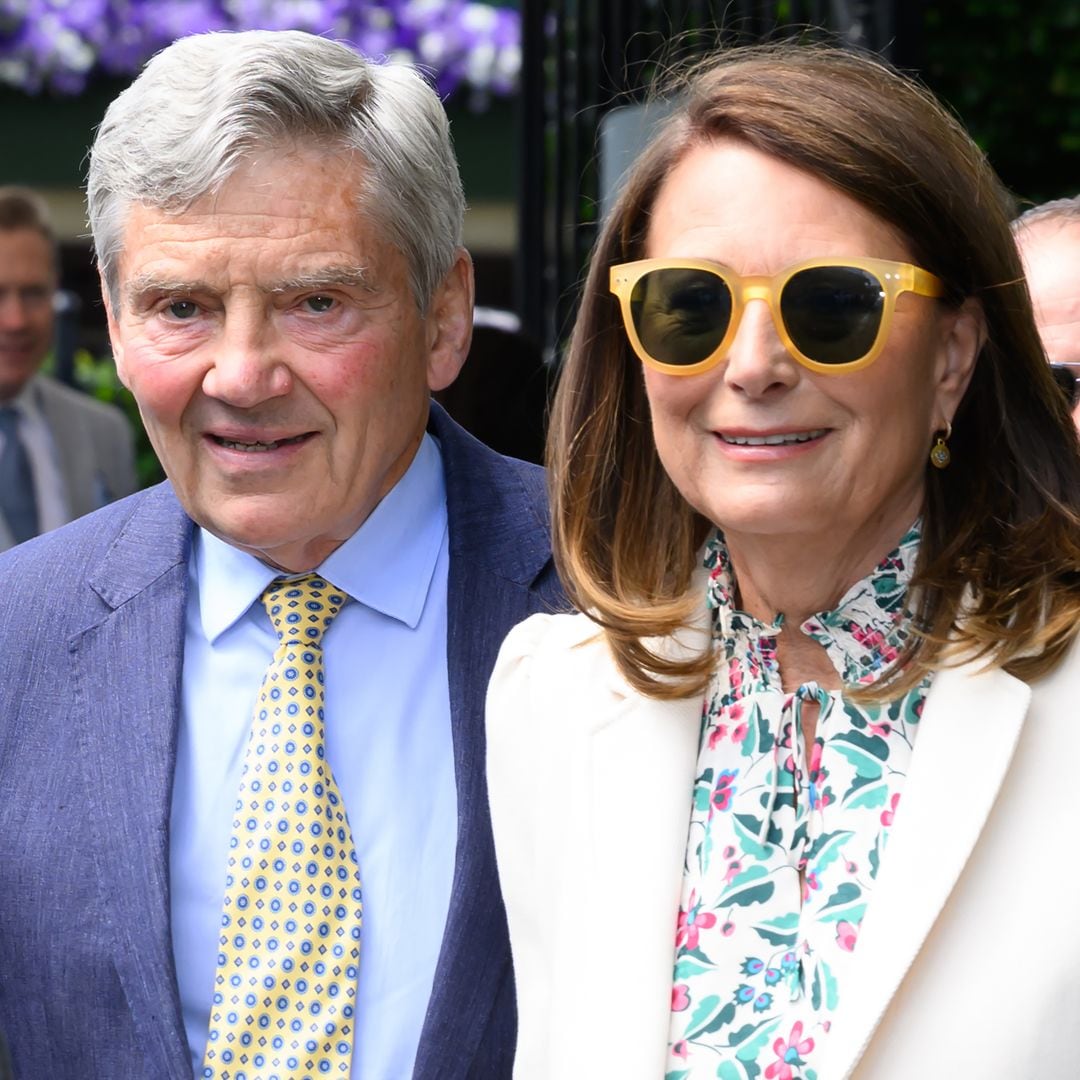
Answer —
1049 240
62 454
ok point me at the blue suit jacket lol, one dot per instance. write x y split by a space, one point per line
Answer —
91 648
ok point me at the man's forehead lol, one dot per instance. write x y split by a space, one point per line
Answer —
1047 245
26 257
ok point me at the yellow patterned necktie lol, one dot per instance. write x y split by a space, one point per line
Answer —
285 989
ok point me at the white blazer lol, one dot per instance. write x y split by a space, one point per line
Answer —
968 961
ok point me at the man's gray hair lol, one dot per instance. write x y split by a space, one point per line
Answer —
1063 210
202 106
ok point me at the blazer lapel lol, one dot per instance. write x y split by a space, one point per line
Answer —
636 814
498 549
127 666
72 450
969 732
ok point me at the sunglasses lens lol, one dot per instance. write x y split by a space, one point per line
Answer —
833 313
1066 379
680 315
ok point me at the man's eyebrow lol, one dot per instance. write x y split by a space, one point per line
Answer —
325 277
143 284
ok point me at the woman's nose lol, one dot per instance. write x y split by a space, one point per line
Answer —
758 363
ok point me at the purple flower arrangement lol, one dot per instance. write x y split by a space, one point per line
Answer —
60 44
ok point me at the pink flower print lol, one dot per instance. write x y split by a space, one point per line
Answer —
716 735
888 815
735 675
691 923
680 998
881 729
815 757
739 733
789 1053
871 639
679 1049
728 928
734 712
733 871
811 883
729 851
847 934
851 867
724 790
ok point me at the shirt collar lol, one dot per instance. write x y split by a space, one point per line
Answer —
25 402
387 564
862 635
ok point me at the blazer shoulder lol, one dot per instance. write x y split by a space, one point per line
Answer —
57 395
552 667
67 557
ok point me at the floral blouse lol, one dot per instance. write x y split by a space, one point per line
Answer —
761 958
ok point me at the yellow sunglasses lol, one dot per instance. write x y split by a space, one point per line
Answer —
833 315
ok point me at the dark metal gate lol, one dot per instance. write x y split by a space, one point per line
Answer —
582 58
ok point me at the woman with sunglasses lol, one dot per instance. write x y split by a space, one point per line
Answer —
795 797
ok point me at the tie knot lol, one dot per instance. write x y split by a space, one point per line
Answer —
301 608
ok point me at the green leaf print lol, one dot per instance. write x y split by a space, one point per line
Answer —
874 745
865 765
823 987
885 584
826 849
748 1041
744 1070
748 841
778 938
724 1016
869 797
752 825
743 891
765 739
677 1074
686 969
875 858
845 893
707 1011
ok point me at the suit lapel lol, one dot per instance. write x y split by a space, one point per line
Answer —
127 667
969 731
498 548
71 450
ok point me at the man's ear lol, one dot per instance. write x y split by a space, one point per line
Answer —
449 321
964 334
114 333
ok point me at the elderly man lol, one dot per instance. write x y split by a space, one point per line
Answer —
244 827
62 454
1049 240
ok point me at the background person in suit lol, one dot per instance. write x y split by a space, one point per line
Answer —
278 226
1049 240
820 497
62 454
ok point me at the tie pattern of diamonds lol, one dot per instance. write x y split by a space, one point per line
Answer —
289 952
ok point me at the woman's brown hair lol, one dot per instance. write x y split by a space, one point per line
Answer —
998 575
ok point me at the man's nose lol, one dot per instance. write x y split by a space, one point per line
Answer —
15 311
248 365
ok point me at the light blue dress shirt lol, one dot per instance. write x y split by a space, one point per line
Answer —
388 742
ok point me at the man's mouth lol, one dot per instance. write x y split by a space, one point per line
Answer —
259 447
774 440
